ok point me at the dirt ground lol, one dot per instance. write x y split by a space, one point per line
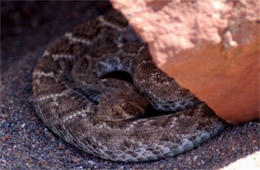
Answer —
26 29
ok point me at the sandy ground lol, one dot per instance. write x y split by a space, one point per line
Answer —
26 30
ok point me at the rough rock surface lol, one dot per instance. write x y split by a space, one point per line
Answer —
209 47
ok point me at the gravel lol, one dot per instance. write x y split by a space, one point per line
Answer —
27 28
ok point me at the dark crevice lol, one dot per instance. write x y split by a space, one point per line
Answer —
122 75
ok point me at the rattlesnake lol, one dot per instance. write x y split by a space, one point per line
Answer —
103 115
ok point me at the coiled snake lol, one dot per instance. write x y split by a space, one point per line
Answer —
112 118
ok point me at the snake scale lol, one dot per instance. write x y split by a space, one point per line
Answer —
112 118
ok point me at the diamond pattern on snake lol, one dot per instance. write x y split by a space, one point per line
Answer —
150 118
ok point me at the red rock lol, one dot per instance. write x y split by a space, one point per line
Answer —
209 47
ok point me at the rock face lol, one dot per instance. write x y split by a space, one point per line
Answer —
209 47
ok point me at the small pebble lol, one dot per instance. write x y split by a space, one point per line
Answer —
91 163
23 125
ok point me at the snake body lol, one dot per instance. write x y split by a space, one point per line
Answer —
108 117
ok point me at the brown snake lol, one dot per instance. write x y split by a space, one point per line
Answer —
111 118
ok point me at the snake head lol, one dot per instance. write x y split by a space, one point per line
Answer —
117 105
